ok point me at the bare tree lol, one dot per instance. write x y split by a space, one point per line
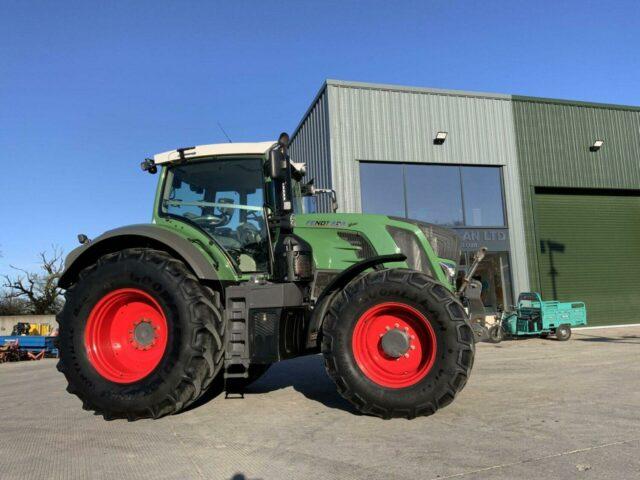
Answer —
38 290
9 305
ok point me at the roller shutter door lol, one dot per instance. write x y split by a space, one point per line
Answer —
589 250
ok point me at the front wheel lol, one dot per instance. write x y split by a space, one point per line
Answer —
139 336
496 334
397 344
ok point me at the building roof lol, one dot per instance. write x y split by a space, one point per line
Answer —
215 150
458 93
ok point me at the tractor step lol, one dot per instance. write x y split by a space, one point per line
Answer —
236 364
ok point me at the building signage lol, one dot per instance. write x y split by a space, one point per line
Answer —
495 239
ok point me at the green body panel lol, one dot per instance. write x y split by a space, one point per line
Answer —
588 247
320 230
330 252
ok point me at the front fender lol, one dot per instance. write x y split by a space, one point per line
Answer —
151 236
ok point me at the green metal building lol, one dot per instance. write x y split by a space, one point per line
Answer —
552 187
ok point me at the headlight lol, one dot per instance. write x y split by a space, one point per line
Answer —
449 271
408 244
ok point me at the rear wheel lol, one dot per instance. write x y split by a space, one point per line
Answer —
139 336
397 344
563 333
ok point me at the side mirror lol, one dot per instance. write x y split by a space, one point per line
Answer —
149 166
277 164
307 189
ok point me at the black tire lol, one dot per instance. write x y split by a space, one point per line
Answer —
563 333
454 342
194 350
496 334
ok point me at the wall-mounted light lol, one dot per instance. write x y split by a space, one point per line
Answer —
596 145
440 138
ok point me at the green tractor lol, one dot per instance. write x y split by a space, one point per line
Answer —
231 276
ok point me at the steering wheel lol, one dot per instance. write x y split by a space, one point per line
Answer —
211 220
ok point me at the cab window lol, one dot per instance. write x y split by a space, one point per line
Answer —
225 198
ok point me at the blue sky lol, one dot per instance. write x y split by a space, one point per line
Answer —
88 89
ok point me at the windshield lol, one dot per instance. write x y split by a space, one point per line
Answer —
225 198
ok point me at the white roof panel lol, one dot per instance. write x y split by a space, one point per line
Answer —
215 149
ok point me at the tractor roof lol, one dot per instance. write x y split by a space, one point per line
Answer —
216 149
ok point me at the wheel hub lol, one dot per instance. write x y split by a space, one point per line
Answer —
144 334
395 343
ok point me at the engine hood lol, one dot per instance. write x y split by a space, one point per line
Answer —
339 240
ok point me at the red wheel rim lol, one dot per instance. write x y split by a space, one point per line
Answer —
126 335
409 368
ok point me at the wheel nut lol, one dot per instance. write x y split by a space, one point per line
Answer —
406 355
413 347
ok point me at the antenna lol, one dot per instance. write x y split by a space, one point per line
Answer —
225 133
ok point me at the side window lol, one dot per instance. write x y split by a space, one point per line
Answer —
225 199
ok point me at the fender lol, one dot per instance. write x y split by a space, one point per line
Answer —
143 235
336 285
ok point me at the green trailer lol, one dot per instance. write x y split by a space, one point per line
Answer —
535 317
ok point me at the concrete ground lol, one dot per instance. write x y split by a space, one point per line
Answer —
532 409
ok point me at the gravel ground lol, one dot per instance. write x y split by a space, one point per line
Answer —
532 409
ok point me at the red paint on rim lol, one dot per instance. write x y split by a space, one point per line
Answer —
112 346
408 369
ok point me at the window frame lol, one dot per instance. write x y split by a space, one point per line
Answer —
458 166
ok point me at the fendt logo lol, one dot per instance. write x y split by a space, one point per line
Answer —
330 223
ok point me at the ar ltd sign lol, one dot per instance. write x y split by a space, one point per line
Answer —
495 239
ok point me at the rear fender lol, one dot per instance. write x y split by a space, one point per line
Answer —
132 236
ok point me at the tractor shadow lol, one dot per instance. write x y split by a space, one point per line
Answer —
305 375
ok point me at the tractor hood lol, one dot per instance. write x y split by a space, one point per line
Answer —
341 239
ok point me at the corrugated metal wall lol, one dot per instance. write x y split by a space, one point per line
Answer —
310 144
391 124
553 139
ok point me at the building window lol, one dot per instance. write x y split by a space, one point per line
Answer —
433 194
482 190
382 189
452 196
